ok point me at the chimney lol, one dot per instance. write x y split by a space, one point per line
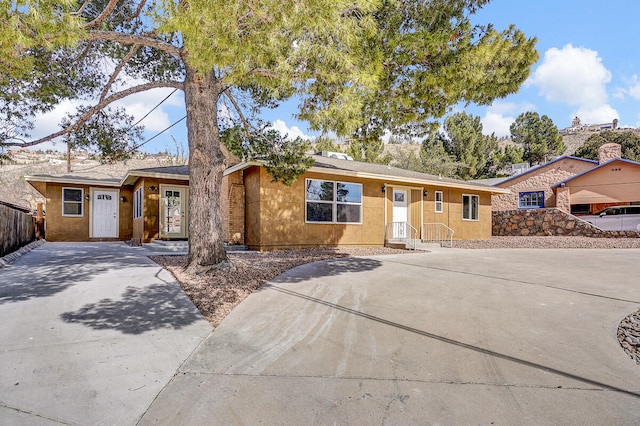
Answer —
608 152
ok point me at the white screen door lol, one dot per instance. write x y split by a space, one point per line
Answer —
400 213
172 211
105 214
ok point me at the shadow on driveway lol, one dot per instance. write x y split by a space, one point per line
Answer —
138 311
54 267
329 268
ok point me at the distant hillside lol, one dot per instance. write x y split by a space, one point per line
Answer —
573 141
14 189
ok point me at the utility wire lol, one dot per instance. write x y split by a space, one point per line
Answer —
157 134
153 109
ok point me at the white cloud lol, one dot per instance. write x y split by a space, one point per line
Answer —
500 115
292 132
577 77
632 90
601 114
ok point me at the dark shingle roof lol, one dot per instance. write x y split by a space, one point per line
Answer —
335 164
169 170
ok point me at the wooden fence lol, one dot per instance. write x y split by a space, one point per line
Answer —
16 229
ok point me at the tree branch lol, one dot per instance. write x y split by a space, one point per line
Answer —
245 122
80 11
138 9
101 105
123 38
117 70
103 15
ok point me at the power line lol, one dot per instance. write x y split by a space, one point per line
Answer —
153 109
157 134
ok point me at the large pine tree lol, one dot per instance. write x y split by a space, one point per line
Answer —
353 65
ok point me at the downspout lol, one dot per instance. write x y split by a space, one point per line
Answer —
421 210
384 200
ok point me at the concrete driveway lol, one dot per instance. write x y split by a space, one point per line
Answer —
524 337
90 333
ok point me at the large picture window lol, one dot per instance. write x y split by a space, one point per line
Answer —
333 202
438 203
72 199
137 203
470 207
531 200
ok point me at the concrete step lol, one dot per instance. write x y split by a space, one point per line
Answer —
426 245
236 248
167 246
182 246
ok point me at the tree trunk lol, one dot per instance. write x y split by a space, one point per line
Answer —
206 164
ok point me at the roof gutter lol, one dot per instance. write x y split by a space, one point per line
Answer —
72 180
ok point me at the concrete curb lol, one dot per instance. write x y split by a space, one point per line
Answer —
11 257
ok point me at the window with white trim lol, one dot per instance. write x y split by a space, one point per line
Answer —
137 203
470 207
438 203
72 201
333 202
531 200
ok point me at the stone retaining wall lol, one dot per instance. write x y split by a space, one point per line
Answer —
547 222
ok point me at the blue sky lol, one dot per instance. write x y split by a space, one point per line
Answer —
589 67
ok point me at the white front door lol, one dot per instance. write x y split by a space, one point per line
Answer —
400 215
172 211
104 208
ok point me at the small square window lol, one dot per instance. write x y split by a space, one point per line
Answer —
72 201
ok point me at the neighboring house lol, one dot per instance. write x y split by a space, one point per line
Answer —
574 185
533 188
615 182
336 202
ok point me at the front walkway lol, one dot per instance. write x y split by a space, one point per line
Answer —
91 332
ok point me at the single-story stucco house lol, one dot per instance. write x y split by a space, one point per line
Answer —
336 202
574 185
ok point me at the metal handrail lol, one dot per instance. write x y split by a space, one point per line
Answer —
434 232
402 231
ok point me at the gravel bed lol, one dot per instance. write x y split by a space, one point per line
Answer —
549 242
218 292
629 336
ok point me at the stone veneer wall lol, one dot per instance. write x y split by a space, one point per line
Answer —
548 222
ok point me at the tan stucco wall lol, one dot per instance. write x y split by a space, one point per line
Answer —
540 179
252 205
617 182
65 228
147 228
275 214
233 208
